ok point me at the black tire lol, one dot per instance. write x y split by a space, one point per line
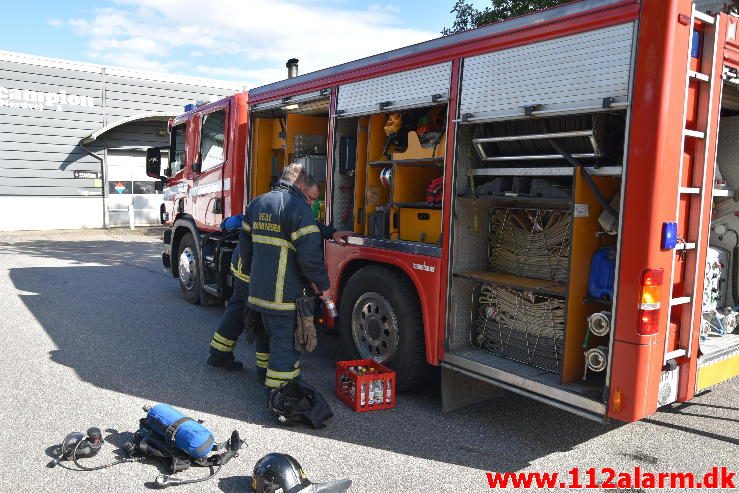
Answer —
379 297
190 287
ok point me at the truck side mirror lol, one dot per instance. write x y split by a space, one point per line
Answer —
154 163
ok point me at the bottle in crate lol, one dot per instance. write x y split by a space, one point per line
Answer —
378 392
388 391
363 389
371 396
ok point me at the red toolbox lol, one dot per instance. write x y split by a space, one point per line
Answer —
365 385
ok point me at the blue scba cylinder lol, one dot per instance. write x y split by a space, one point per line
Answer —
190 436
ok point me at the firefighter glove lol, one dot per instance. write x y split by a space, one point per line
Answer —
306 339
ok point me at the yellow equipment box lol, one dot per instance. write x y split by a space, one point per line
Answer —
420 224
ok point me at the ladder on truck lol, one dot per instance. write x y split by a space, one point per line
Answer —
691 247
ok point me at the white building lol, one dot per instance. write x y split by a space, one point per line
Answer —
73 138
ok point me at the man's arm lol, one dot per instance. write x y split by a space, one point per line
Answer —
245 244
328 232
306 237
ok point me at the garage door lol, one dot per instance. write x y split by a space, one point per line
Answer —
128 186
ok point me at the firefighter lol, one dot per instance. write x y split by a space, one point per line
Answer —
311 189
224 339
281 248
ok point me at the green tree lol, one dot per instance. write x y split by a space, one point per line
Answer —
468 17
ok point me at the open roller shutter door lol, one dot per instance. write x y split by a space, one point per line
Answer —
412 88
570 74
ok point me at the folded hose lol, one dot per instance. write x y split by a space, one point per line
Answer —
530 243
522 326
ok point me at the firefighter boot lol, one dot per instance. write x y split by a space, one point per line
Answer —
229 364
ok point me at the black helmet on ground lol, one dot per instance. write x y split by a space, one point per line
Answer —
281 473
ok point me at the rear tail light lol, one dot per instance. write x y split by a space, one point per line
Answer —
650 301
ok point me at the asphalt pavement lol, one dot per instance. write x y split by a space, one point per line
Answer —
93 329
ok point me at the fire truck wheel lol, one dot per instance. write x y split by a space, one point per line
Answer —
189 271
380 318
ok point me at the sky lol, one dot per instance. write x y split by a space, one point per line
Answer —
247 41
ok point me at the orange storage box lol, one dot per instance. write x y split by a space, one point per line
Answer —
420 224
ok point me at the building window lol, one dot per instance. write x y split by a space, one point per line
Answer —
211 139
144 187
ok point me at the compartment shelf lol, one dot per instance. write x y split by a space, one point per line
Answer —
419 162
537 202
525 283
545 171
416 205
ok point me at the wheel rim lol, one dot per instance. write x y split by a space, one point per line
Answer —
375 327
187 268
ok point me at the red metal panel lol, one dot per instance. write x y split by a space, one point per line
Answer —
236 167
594 19
651 189
426 280
629 361
731 53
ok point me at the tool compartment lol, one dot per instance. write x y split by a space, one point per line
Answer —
526 226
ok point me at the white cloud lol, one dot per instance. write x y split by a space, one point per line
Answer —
249 39
53 22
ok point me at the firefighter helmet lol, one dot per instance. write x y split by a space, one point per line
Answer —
282 473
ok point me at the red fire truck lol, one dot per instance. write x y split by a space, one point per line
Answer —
545 204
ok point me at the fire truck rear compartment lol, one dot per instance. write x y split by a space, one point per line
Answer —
527 225
719 340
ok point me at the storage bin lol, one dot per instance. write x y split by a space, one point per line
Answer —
420 224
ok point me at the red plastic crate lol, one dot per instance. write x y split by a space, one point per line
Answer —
349 385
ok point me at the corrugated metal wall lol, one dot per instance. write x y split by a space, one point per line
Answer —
47 106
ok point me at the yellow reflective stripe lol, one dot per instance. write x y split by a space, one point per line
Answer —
271 304
280 281
228 342
261 364
263 356
305 231
240 275
274 384
221 347
283 375
271 240
246 227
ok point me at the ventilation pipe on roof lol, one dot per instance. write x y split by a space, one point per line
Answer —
292 68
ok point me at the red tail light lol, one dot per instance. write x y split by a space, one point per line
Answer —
650 301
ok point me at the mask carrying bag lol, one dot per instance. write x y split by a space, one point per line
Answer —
179 431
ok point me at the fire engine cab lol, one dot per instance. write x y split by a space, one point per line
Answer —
545 204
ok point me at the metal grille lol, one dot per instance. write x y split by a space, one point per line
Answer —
530 242
521 326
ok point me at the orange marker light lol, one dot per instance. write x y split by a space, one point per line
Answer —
616 401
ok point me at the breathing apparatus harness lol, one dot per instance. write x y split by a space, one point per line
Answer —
165 434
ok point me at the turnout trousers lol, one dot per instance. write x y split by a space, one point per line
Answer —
276 349
223 343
